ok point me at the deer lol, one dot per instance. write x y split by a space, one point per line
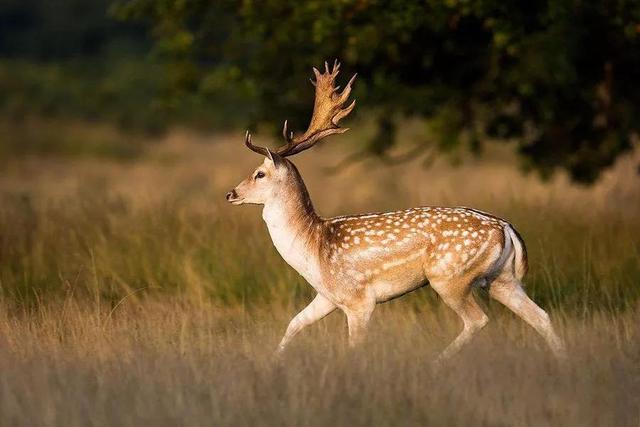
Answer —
355 262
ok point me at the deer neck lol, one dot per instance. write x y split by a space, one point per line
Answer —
295 229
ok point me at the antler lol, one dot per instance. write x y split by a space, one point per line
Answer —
327 112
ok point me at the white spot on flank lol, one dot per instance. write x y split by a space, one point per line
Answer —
391 264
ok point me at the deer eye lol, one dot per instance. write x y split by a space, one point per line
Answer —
260 174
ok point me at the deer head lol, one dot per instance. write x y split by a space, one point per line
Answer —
263 184
276 172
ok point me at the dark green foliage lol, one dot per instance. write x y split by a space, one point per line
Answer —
46 30
70 59
124 92
559 77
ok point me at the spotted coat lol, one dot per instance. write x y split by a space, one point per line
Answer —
399 251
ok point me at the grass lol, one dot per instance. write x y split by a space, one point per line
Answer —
181 363
28 136
130 293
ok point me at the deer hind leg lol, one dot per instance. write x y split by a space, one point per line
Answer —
463 303
510 293
316 310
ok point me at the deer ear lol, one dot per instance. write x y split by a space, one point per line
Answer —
275 158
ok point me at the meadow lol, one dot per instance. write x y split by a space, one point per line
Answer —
131 292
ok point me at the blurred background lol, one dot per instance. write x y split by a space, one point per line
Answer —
131 292
555 80
129 115
116 115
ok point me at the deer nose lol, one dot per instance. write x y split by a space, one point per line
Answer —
232 195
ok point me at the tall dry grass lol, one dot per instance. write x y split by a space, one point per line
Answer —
130 292
180 363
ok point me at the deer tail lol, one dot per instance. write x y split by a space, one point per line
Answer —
521 263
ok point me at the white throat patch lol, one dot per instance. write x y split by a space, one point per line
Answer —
290 244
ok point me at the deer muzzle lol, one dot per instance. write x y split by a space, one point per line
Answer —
232 196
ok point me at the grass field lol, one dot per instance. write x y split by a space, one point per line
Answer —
130 292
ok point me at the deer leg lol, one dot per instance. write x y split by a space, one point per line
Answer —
511 294
472 316
316 310
358 320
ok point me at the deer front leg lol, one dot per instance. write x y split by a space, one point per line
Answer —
358 320
316 310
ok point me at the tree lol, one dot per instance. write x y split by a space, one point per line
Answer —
557 77
42 30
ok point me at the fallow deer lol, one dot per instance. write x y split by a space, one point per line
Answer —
357 261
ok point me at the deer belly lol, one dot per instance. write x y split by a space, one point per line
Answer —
397 283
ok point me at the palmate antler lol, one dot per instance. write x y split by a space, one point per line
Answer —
327 112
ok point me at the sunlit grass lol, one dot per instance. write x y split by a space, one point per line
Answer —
170 361
101 245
